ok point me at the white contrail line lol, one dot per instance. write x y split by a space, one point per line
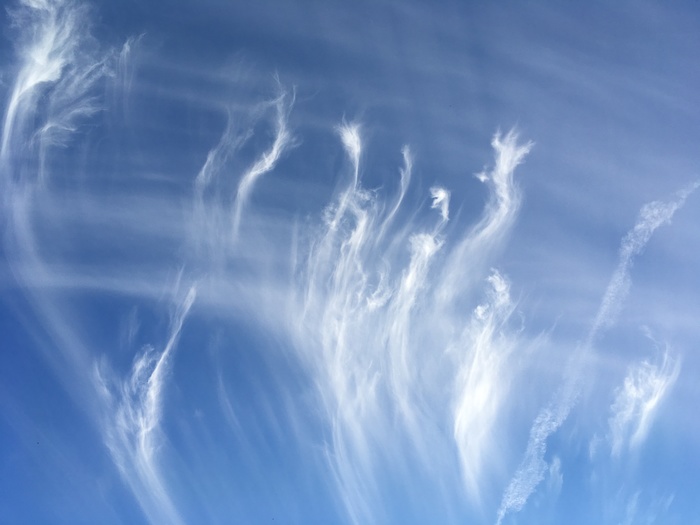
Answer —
480 382
651 216
532 468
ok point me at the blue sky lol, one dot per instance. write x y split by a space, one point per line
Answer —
349 262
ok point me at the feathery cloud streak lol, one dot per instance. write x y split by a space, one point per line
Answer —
370 325
533 467
131 421
51 97
410 335
637 401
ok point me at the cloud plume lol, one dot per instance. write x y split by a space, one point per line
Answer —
370 324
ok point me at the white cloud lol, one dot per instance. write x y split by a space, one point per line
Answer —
132 418
267 160
482 379
651 216
486 236
383 348
637 401
555 476
532 468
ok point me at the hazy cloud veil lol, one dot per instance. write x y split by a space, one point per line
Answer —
264 264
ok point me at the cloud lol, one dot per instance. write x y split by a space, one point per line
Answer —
441 201
532 468
267 161
637 401
131 421
651 216
556 477
53 95
482 379
381 344
495 223
58 73
60 66
392 306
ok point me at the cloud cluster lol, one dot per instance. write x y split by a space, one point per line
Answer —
378 325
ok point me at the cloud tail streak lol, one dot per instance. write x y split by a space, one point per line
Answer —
360 336
132 419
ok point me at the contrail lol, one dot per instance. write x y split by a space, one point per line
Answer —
533 466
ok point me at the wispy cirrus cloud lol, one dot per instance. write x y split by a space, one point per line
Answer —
267 160
375 334
481 385
533 466
53 89
54 94
504 202
57 76
131 422
638 400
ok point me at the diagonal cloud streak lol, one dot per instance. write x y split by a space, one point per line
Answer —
533 466
131 422
267 161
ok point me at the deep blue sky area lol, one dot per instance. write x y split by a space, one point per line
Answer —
349 262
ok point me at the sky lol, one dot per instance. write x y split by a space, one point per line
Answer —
349 262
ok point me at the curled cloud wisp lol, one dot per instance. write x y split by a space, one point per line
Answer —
267 161
488 234
637 401
369 327
58 64
131 421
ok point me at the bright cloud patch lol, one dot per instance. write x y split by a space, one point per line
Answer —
637 401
